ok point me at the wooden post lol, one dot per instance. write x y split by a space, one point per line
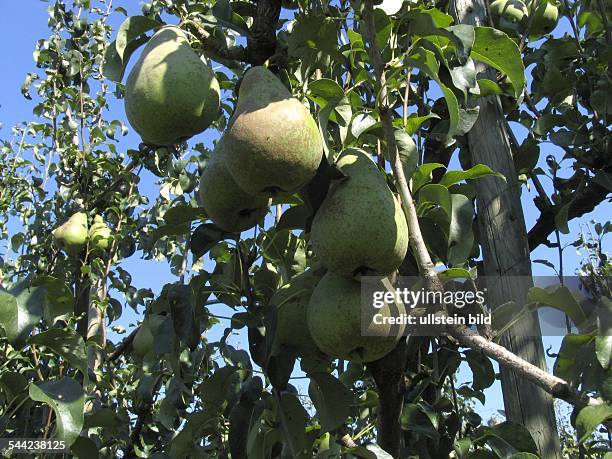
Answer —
506 253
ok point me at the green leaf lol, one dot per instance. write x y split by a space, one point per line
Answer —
508 438
85 448
464 77
460 234
204 238
559 297
414 122
331 98
496 49
131 29
313 33
562 217
185 444
21 309
603 350
489 88
214 388
437 195
361 123
104 417
506 315
183 213
590 417
565 366
113 66
295 217
13 384
422 175
66 343
468 392
331 398
479 170
67 399
482 369
453 109
296 418
59 299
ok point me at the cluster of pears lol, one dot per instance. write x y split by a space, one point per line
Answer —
170 94
512 16
74 234
360 229
272 146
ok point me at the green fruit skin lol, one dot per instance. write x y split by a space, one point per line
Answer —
72 235
99 235
225 203
144 339
170 94
334 320
274 145
360 227
291 302
512 10
545 18
508 15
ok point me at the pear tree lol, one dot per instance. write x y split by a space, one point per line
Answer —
190 217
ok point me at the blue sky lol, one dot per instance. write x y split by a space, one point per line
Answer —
23 22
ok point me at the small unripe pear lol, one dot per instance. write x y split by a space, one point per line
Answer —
99 235
144 339
334 318
545 18
508 14
72 235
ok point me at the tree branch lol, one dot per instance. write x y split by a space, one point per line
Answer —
261 42
555 386
584 202
466 337
125 344
417 243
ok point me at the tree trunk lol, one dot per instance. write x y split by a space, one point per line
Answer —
506 254
96 330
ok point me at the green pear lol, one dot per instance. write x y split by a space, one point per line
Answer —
99 235
360 227
334 318
291 302
508 14
72 235
545 18
225 203
143 342
273 143
170 94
